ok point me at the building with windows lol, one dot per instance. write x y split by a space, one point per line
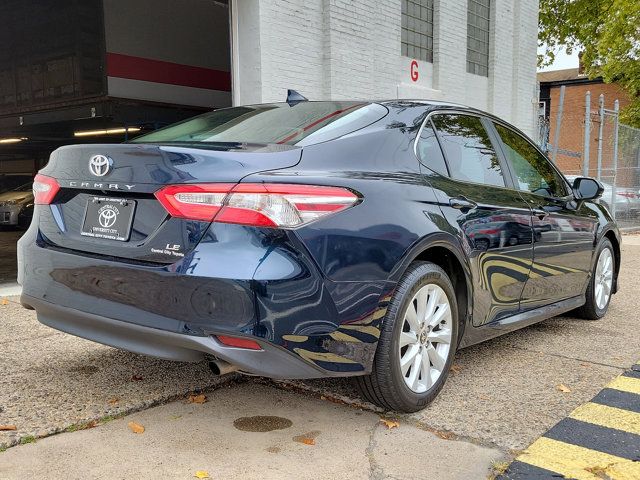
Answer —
476 52
106 70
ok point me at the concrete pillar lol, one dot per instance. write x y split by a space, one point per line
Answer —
502 56
246 52
449 53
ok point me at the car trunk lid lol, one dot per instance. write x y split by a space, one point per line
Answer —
100 183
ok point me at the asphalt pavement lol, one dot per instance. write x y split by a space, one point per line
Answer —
500 397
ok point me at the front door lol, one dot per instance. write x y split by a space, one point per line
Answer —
564 231
482 209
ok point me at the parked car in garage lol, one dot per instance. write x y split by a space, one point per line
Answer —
16 206
317 239
10 181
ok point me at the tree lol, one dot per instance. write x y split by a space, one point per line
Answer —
607 32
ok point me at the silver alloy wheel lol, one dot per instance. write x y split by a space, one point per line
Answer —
425 338
603 278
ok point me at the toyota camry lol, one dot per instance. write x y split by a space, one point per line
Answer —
317 239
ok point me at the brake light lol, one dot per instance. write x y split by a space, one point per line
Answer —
239 342
44 189
194 201
263 205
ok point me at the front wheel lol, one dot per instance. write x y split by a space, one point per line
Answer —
600 288
417 342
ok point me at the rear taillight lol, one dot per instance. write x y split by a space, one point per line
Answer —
194 202
44 189
263 205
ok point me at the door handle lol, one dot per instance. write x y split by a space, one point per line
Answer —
541 213
461 203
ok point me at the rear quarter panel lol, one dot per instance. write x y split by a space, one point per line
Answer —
363 251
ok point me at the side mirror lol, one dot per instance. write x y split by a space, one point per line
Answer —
586 188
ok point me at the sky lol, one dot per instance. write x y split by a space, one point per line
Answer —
561 61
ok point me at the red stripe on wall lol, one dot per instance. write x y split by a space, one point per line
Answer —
138 68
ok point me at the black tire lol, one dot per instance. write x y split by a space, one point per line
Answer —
385 386
590 310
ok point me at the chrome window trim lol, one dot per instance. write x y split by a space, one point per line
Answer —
455 111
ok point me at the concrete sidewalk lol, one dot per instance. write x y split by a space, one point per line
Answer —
320 440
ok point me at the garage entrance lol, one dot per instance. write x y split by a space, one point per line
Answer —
98 71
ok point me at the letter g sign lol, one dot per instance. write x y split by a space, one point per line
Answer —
414 71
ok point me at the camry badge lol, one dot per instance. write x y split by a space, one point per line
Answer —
100 165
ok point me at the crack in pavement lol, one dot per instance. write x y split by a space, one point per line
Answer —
566 357
375 471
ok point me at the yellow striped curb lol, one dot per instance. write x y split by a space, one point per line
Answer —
600 439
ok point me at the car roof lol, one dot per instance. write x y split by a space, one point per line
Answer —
427 102
437 104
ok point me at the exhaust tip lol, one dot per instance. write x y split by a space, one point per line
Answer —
27 306
220 367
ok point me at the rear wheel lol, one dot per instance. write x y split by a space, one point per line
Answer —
417 342
600 288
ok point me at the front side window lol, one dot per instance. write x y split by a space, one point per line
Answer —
417 29
478 37
533 171
468 149
429 152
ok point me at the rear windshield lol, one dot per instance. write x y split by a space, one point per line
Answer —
304 123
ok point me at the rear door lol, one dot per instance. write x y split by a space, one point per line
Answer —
482 208
564 230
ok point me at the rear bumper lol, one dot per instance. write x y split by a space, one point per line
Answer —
307 326
271 361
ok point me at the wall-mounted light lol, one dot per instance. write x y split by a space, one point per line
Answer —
109 131
13 140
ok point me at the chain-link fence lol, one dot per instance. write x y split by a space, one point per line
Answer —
592 142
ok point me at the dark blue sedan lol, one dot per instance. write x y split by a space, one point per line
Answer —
317 239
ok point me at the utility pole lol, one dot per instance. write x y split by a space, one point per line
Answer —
600 132
556 137
616 124
587 135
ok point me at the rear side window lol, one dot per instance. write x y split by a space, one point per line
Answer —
429 152
468 149
533 171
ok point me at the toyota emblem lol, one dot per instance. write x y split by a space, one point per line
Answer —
100 165
107 216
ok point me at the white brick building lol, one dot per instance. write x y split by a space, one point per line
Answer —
343 49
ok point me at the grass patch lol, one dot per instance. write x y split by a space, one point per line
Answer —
110 418
27 439
93 423
498 468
